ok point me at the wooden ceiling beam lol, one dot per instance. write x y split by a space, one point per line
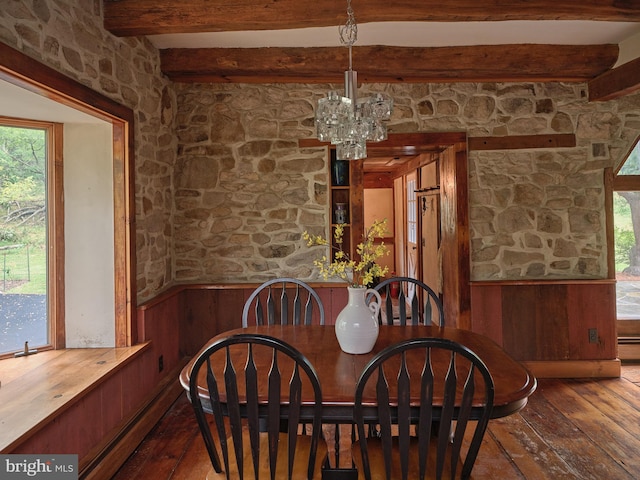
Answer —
153 17
572 63
615 83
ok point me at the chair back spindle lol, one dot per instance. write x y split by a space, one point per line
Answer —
239 407
271 304
424 304
447 405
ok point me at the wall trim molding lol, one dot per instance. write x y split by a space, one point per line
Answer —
574 368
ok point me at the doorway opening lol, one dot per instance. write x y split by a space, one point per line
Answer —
425 176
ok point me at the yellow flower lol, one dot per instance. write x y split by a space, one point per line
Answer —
360 273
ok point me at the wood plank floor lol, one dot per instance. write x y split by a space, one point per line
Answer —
571 429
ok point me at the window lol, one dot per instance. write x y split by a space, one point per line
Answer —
24 160
412 212
626 212
91 289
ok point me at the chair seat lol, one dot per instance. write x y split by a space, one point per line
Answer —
376 459
303 445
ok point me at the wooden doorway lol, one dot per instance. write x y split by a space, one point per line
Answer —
401 155
451 147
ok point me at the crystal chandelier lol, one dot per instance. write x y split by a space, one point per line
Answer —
346 121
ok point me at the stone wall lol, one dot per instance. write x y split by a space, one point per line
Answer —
540 213
239 192
68 36
245 191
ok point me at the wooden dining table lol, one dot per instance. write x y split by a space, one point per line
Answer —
338 371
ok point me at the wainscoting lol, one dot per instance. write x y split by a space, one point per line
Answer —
557 328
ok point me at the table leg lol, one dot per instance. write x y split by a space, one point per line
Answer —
339 466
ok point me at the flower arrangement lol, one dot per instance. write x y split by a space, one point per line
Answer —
356 273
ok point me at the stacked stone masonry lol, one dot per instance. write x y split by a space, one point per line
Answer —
533 213
223 192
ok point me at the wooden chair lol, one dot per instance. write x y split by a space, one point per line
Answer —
235 431
437 446
426 307
270 304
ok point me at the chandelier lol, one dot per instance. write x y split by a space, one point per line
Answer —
346 121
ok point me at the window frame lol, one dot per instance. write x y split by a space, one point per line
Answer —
620 183
25 72
54 227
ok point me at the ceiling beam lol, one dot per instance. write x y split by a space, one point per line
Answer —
615 83
153 17
573 63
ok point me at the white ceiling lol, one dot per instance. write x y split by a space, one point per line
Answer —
415 34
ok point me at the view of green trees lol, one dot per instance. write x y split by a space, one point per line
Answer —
626 210
23 210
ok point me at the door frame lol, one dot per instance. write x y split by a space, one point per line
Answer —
454 207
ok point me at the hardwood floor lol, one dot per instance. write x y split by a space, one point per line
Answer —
571 429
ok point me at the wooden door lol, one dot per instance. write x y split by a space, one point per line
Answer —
429 208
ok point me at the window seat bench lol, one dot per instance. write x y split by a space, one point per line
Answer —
37 389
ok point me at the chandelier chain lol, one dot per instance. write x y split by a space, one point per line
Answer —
349 31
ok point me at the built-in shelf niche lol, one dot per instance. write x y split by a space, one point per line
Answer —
346 188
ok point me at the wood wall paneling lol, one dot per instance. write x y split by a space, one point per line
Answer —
518 322
207 313
112 401
335 298
486 303
541 321
210 311
592 306
159 322
138 379
535 322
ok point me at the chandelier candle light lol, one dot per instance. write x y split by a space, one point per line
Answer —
346 121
